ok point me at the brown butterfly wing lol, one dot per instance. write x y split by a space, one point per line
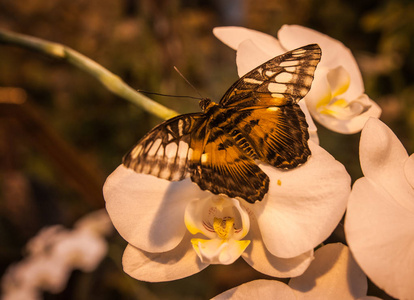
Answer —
182 147
166 151
272 126
276 135
282 80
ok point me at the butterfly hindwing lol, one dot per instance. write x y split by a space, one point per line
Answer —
282 80
224 168
277 135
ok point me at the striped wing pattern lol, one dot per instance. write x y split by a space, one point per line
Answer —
257 118
168 149
282 80
276 135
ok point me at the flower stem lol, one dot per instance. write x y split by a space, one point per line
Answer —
111 81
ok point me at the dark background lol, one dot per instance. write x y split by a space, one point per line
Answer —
90 129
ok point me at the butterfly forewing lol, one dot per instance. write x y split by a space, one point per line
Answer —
282 80
167 150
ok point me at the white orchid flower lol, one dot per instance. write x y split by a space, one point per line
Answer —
53 254
336 98
379 223
332 275
174 229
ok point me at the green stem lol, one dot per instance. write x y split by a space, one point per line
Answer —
111 81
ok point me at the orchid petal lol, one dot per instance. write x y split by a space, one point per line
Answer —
39 272
380 231
409 170
147 211
342 109
263 261
249 56
339 80
177 263
333 272
348 125
303 205
97 222
232 36
383 158
194 220
80 249
259 289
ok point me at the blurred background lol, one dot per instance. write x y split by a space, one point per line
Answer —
62 133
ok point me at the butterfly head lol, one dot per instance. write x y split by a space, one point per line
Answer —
206 104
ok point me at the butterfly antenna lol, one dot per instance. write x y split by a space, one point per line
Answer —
167 95
188 82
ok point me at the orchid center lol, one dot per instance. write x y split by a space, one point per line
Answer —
224 227
220 224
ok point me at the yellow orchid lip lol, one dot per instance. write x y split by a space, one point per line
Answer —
217 251
341 109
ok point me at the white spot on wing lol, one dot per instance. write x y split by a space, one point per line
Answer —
299 51
136 151
204 158
284 77
288 63
182 149
280 96
180 127
252 80
277 87
270 73
291 69
272 108
160 152
154 148
190 153
171 150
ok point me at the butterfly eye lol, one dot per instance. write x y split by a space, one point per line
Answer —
204 103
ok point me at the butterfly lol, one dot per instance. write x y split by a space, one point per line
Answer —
258 118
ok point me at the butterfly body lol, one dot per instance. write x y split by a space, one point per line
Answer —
258 118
